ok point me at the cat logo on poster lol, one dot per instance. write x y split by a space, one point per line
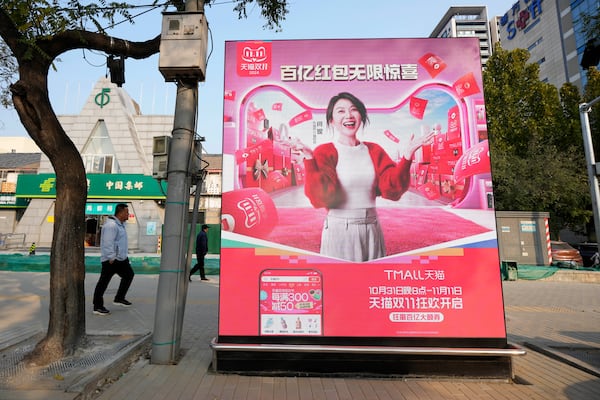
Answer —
254 59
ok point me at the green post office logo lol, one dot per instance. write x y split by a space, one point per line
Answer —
103 97
47 185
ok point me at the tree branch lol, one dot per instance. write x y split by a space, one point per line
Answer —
9 32
80 39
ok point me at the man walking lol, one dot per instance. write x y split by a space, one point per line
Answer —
201 250
114 258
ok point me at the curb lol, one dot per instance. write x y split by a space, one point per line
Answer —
574 276
564 358
89 386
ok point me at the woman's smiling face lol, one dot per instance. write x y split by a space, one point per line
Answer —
346 118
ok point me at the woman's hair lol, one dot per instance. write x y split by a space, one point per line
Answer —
360 106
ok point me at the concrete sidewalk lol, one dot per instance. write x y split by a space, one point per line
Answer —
558 323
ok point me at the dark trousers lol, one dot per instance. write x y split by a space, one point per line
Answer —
199 267
121 268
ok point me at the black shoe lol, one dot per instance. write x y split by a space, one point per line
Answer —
204 279
122 303
101 311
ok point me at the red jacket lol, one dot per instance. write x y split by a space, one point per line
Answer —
322 186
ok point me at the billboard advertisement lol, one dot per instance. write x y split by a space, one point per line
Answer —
357 195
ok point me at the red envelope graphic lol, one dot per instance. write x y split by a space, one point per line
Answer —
475 160
430 190
466 85
302 117
391 136
417 107
252 152
453 123
432 63
229 95
259 115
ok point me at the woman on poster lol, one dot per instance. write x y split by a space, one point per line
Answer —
346 175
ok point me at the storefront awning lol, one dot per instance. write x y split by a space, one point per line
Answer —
100 186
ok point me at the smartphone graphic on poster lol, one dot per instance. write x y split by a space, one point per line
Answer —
291 302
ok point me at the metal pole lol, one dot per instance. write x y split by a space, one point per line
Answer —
172 283
584 109
197 180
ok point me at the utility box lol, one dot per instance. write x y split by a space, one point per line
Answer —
510 270
159 166
160 145
160 156
183 46
523 236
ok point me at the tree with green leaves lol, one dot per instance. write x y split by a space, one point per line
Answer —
536 144
36 33
592 91
570 100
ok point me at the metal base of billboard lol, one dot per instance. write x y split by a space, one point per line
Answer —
331 360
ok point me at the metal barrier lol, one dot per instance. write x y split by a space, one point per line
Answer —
12 241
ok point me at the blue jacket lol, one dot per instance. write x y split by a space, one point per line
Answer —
113 240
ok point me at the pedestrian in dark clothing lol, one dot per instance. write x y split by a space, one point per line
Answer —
201 250
114 259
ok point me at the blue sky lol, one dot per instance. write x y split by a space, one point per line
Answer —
79 70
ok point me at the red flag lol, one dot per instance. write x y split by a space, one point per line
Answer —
417 107
433 64
466 85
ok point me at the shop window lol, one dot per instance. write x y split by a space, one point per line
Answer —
98 152
98 164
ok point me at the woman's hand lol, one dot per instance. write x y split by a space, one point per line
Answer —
416 143
300 148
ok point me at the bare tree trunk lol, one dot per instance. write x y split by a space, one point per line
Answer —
66 328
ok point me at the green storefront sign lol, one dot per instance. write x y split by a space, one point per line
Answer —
100 208
11 201
100 186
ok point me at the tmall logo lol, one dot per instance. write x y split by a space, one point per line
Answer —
254 59
254 54
250 211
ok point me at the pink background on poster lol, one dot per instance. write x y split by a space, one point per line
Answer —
347 300
464 301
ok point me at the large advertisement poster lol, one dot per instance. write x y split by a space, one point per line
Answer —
357 197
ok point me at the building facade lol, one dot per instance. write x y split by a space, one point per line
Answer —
467 21
12 165
552 31
116 145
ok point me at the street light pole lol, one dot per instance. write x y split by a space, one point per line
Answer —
174 263
592 168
